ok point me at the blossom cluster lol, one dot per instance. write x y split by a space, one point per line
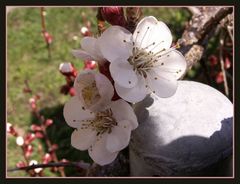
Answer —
140 63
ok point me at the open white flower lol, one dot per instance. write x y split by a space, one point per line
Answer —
93 89
90 50
142 62
103 133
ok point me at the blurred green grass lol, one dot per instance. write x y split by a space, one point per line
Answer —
27 59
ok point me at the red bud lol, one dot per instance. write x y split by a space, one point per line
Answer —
90 64
227 63
48 122
113 15
39 135
213 60
21 164
36 128
47 158
72 91
219 78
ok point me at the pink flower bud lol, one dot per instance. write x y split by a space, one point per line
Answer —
32 103
90 64
213 60
227 63
47 158
11 130
21 164
29 138
48 38
48 122
72 91
219 78
39 135
85 31
36 128
67 69
28 151
113 15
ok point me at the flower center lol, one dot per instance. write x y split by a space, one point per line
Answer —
103 122
90 93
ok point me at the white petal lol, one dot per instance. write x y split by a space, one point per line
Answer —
152 34
90 45
119 138
106 91
162 85
123 74
82 139
74 113
83 79
172 63
82 55
100 154
135 94
112 44
123 111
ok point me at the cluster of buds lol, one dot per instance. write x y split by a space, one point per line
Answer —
217 73
70 73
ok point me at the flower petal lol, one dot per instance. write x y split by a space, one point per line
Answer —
99 153
90 45
122 73
115 42
74 112
82 139
82 54
123 111
100 94
163 85
106 91
153 35
134 94
119 138
172 63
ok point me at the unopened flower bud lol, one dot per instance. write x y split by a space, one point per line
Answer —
28 151
72 91
21 164
32 103
11 130
67 69
20 141
227 63
39 135
219 78
90 64
48 38
85 31
36 128
48 122
113 15
29 138
47 158
34 162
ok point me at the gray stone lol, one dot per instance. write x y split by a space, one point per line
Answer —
188 134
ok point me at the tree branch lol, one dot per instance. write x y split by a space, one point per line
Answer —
82 165
198 30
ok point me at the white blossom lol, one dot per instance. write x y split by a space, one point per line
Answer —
103 133
142 62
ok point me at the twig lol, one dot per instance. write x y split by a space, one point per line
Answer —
196 33
222 64
100 21
82 165
194 10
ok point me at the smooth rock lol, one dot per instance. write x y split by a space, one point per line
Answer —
188 134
